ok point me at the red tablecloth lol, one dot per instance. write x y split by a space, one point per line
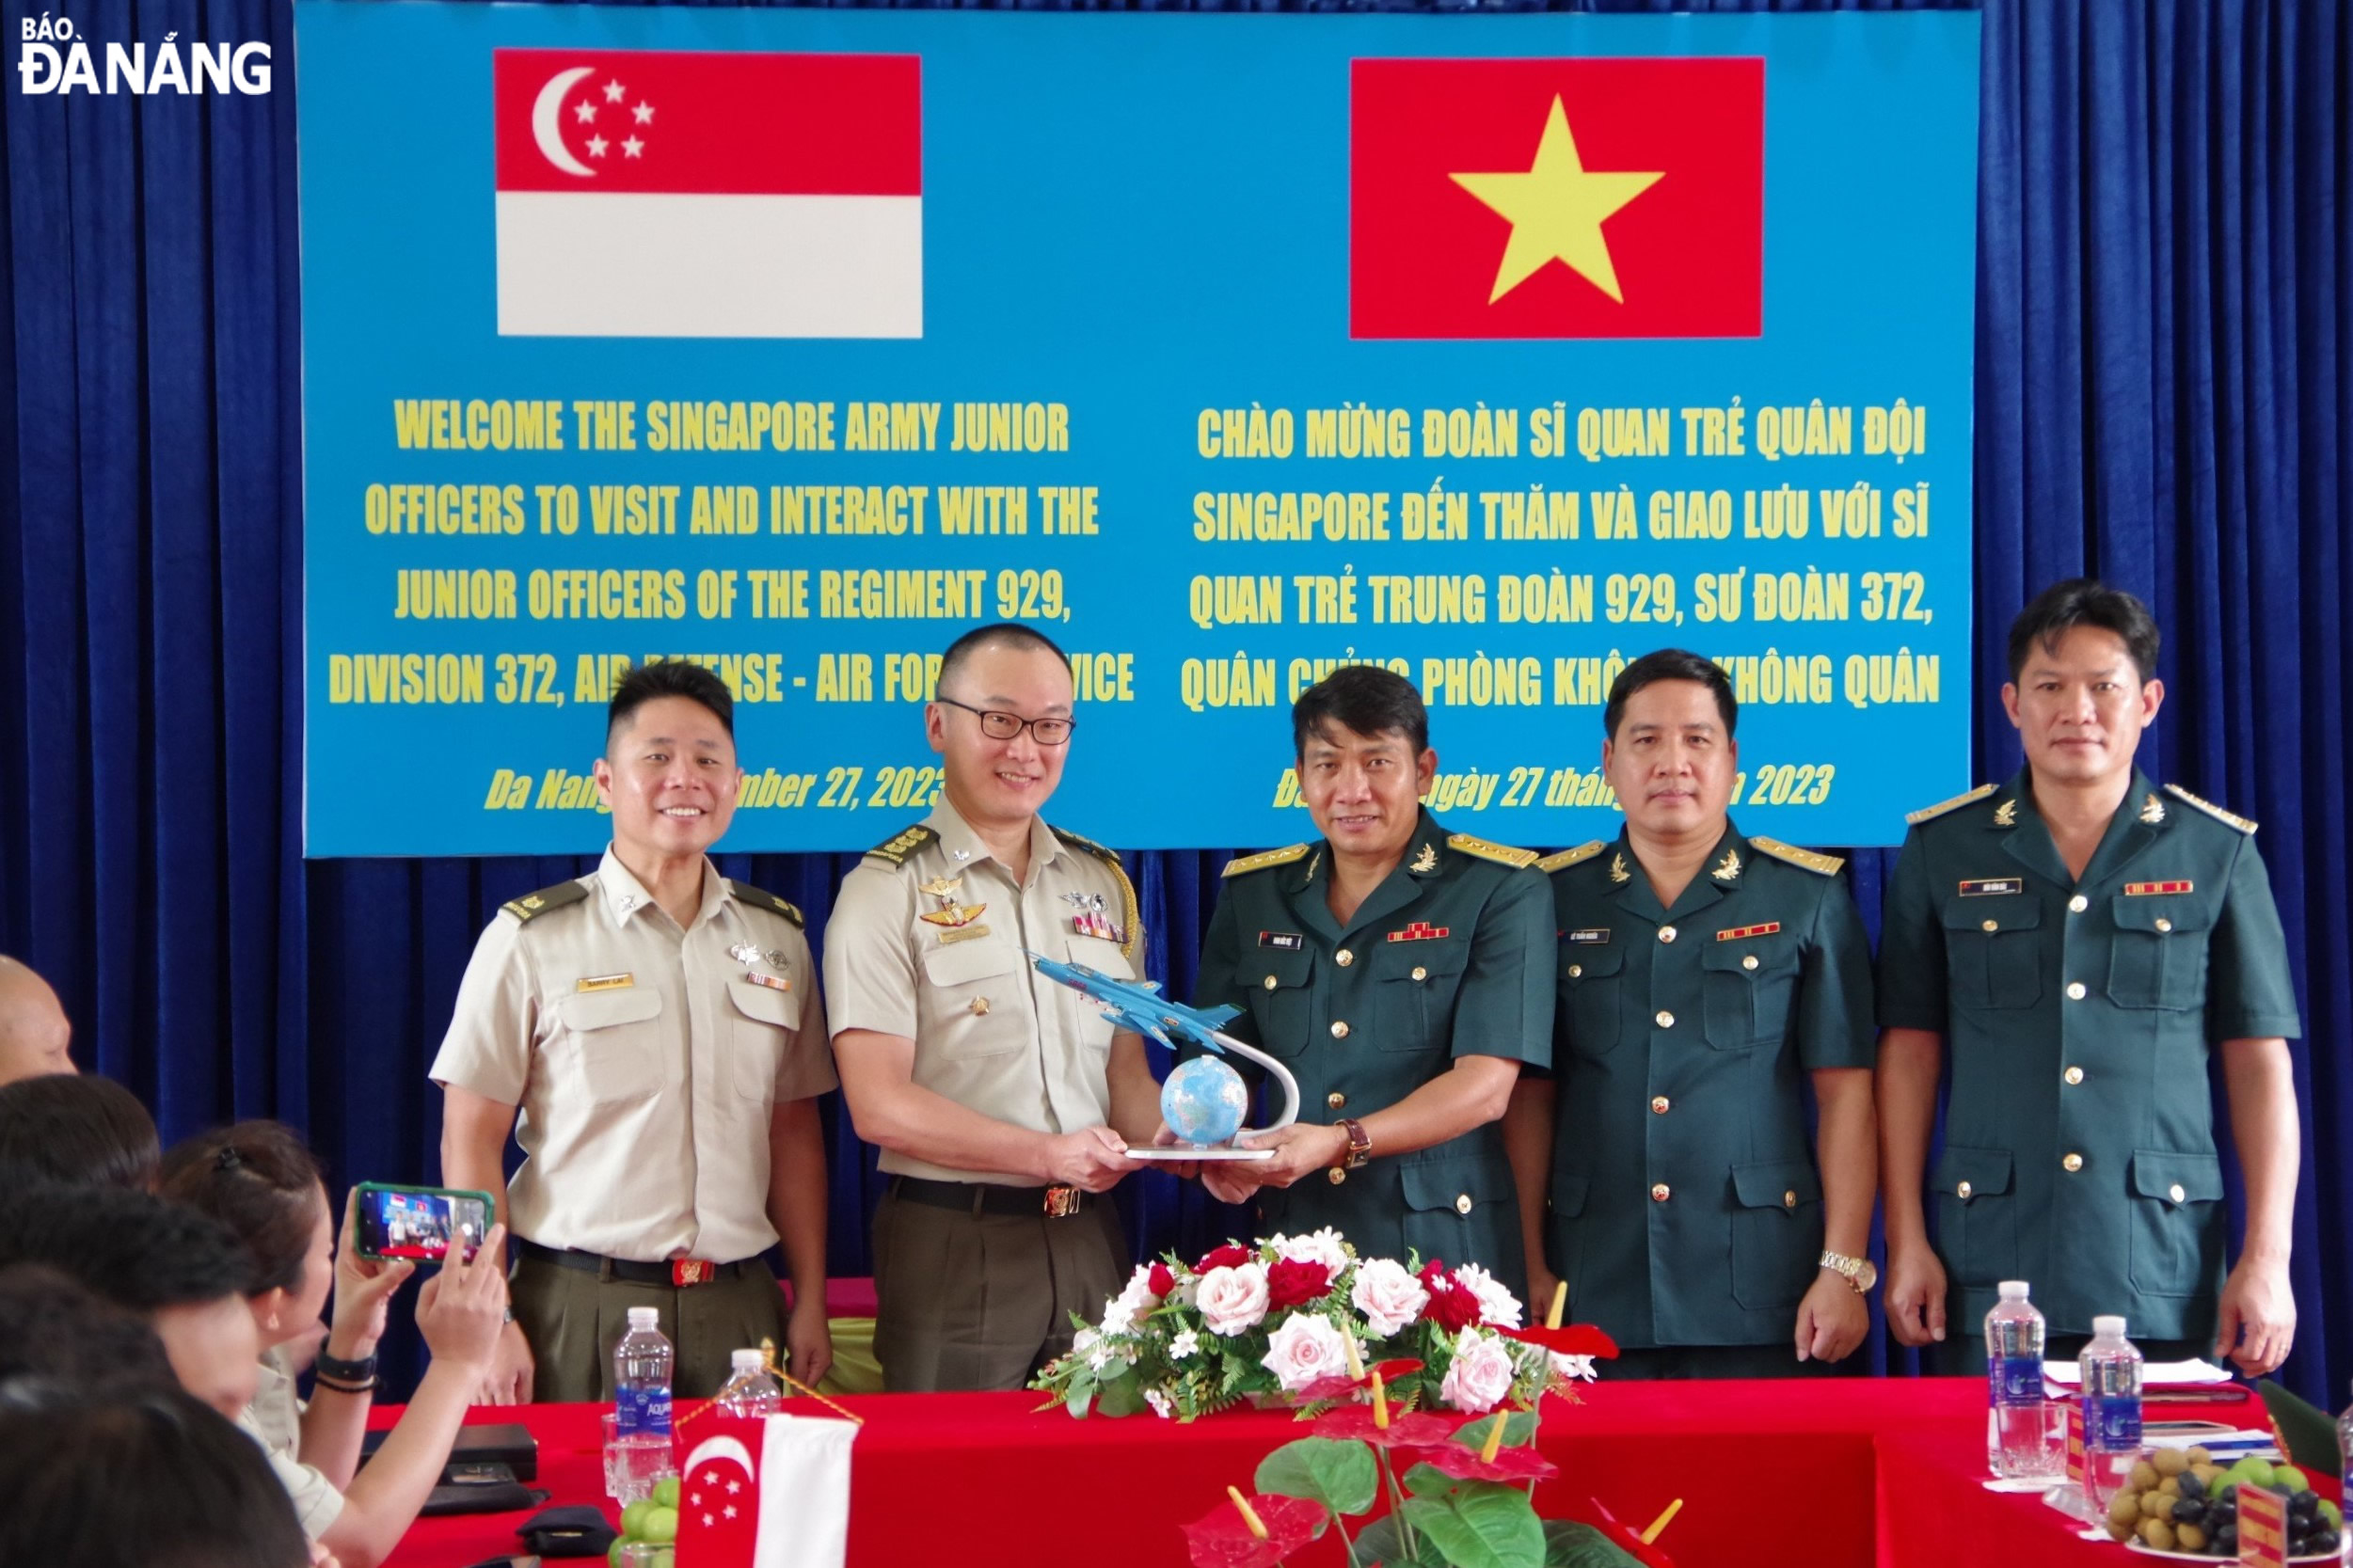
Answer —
1832 1474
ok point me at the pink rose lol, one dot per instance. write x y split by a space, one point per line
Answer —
1387 1295
1480 1374
1304 1349
1497 1307
1232 1299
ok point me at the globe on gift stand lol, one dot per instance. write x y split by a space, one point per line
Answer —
1204 1101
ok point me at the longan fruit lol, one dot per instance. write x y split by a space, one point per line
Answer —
2170 1462
2157 1533
2144 1476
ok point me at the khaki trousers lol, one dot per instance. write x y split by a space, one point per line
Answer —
574 1317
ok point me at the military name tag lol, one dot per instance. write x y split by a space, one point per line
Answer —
1587 936
1421 930
1289 942
606 982
2151 890
774 982
1984 887
963 934
1737 932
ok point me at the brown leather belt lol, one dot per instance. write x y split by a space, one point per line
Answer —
984 1198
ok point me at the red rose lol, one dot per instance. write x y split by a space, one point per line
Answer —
1227 1257
1290 1283
1452 1306
1161 1280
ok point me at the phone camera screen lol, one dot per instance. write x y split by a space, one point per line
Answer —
424 1225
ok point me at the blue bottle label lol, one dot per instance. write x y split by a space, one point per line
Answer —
642 1410
2111 1421
2015 1380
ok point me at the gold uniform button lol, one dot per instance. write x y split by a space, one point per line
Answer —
2075 992
1659 1104
1962 1192
1666 933
1666 1020
1990 925
1335 1174
1335 1100
1462 1202
1576 969
2078 904
2175 1193
1343 958
2163 924
2074 1076
1270 982
1749 961
1788 1199
1421 974
1658 1193
1340 1028
2073 1163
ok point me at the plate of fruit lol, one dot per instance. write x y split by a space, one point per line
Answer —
2180 1504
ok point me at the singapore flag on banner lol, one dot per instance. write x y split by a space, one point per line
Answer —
662 194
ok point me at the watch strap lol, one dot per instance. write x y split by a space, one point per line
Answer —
336 1369
1360 1144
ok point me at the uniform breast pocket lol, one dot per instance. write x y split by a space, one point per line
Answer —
762 1019
1747 986
614 1041
2159 960
1104 957
1590 985
1415 1003
1992 951
1280 996
969 1001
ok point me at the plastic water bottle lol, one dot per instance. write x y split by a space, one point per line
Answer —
751 1391
641 1378
2017 1418
2111 1411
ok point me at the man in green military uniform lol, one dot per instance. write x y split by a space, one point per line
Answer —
2084 938
1701 972
1401 973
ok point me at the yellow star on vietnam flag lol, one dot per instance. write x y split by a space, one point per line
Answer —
1556 210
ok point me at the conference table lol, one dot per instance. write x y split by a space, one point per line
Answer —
1822 1473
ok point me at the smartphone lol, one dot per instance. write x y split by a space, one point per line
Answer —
420 1223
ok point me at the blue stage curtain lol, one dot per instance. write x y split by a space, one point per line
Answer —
2161 400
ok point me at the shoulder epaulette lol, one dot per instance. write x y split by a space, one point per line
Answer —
1264 859
2186 798
1930 814
1568 858
899 846
1132 924
532 904
759 897
1502 854
1822 866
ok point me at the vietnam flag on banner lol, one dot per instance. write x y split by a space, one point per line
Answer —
1557 199
663 194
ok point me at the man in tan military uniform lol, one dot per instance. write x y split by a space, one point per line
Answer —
1003 1102
660 1029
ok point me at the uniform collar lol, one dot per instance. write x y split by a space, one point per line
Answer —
2139 822
1721 872
626 896
1424 861
964 846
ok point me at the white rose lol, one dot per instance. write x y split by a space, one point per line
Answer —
1498 1308
1387 1295
1325 1247
1479 1376
1233 1301
1305 1348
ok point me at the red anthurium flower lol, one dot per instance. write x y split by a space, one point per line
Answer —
1339 1387
1567 1339
1625 1536
1464 1464
1161 1280
1292 1284
1222 1537
1227 1257
1412 1429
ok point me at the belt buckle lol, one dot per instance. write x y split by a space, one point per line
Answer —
692 1270
1061 1202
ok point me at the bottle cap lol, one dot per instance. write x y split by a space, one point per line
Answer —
2110 1327
2012 1289
750 1361
644 1316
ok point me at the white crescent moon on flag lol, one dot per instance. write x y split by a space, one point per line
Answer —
721 1447
549 136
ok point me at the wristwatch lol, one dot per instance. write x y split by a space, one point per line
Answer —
1861 1272
1360 1149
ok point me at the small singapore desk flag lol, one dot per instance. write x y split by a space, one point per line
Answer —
1557 199
672 194
771 1494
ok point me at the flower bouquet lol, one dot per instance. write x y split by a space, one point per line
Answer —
1302 1319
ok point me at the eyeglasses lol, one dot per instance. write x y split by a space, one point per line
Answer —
1005 726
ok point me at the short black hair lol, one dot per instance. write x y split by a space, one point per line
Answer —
669 678
157 1481
52 1327
262 1183
134 1249
1671 664
2084 602
997 634
1363 698
78 1128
